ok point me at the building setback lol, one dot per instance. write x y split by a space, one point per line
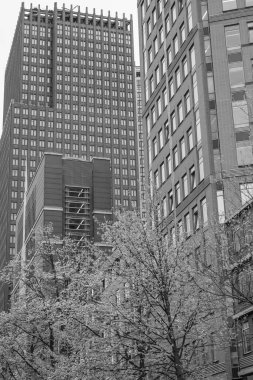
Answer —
69 88
196 68
72 194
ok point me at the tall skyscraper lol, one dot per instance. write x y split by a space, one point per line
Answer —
69 88
196 68
196 59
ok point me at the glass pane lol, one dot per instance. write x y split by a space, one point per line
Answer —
236 76
241 115
229 4
233 40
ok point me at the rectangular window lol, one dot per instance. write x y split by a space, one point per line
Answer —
250 30
182 33
236 76
193 57
192 178
162 172
173 121
160 138
171 87
182 148
190 139
229 4
189 15
233 39
185 67
246 190
178 77
203 206
155 147
185 185
187 102
187 224
175 44
171 200
246 338
195 217
177 193
201 164
169 165
156 179
175 157
173 13
180 112
221 206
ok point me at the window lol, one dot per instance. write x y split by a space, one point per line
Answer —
250 30
203 206
187 102
178 78
162 171
185 185
182 33
182 148
246 338
201 164
246 190
169 55
249 3
167 23
159 107
173 13
233 40
221 206
190 139
155 147
236 76
229 4
193 57
195 89
240 114
169 165
195 217
171 200
180 113
173 121
175 157
177 193
160 138
185 67
164 207
156 179
171 87
155 45
192 178
175 44
189 15
187 224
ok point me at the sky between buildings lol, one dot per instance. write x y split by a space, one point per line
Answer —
10 11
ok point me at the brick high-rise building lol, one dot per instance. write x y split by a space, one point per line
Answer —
69 88
196 60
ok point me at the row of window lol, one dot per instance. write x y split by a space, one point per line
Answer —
190 222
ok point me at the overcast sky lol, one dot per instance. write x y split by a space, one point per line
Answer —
10 11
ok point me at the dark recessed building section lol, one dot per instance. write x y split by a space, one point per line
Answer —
72 194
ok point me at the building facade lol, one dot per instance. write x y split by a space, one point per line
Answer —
72 194
196 68
69 88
